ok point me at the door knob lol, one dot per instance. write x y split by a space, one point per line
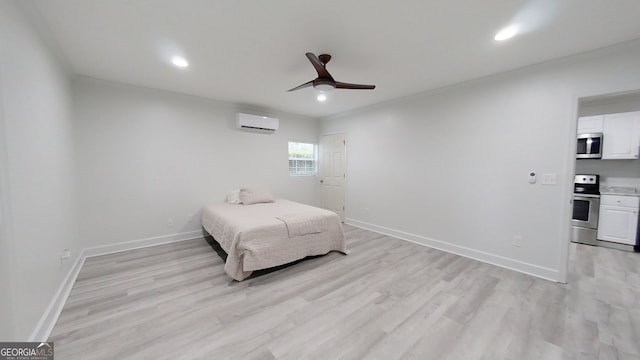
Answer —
321 181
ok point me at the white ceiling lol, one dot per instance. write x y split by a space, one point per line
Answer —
251 51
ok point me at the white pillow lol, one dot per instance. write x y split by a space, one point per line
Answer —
255 194
233 197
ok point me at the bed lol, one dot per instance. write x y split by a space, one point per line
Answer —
267 234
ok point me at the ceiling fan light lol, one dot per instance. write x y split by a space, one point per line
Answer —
324 87
321 97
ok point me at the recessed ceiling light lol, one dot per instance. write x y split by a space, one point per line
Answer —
179 61
506 33
322 97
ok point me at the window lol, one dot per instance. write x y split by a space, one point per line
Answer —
303 158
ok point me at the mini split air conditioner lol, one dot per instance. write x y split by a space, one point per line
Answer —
256 123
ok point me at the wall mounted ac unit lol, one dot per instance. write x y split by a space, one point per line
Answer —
257 123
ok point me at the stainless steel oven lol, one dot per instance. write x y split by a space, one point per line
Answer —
586 205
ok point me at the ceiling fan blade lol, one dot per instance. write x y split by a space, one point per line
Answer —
307 84
318 65
341 85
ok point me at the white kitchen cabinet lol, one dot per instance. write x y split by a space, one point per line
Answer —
621 136
590 124
618 219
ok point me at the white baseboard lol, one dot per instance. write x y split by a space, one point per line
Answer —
508 263
50 317
141 243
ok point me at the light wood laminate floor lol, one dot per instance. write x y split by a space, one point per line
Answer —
388 299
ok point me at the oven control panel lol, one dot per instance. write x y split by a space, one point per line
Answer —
585 179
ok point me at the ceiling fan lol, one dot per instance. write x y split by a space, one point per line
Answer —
324 81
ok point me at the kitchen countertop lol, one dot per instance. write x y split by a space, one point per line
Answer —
619 190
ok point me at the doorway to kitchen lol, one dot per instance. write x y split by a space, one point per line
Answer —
613 120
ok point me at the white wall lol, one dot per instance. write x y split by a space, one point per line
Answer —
609 168
6 248
146 155
37 176
449 168
611 103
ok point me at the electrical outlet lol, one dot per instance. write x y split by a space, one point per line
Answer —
65 254
366 211
517 240
170 222
189 218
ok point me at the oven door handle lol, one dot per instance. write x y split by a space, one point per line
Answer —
585 196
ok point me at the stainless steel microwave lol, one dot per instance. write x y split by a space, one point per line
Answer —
589 146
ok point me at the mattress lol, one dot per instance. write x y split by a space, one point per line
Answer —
265 235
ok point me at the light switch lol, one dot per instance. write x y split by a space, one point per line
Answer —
549 179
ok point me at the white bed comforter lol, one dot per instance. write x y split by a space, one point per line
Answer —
264 235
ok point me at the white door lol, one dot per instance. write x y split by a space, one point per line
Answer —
332 173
